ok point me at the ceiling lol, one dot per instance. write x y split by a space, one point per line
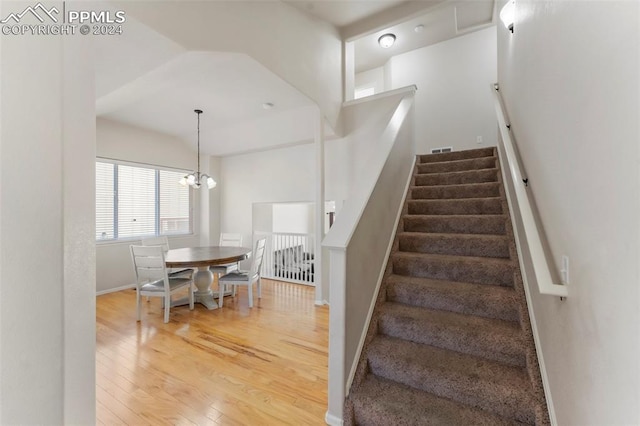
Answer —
342 13
146 79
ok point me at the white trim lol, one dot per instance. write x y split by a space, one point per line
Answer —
532 317
332 420
363 336
408 89
113 290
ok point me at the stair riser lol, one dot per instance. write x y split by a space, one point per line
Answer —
459 178
460 389
456 192
458 166
456 225
456 207
455 245
447 299
440 336
456 155
454 270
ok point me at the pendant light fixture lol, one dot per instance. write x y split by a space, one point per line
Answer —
196 179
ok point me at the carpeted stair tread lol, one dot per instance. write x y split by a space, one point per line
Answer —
485 337
465 298
502 389
473 206
457 178
458 165
479 270
455 244
456 224
456 155
469 190
406 406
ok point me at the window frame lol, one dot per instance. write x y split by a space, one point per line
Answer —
156 168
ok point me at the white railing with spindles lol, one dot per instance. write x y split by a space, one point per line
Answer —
288 256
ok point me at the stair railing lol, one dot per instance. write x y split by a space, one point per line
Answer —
539 262
360 241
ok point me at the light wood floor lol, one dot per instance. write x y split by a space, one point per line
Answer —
230 366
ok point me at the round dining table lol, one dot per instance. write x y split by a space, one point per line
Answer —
202 258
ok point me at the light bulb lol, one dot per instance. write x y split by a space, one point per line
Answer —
183 181
191 179
211 183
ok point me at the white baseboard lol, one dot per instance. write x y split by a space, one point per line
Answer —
332 420
113 290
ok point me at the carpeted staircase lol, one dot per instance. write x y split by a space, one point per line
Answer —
450 340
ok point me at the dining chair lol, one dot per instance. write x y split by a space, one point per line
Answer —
238 277
163 241
226 240
152 278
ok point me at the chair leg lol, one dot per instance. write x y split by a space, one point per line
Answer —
259 288
250 287
220 292
167 307
191 298
138 304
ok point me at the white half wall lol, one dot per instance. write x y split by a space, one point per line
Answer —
371 78
127 143
452 105
47 224
570 79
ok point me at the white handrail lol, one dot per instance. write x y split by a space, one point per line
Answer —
541 268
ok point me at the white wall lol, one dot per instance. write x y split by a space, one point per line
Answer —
570 77
279 175
47 259
371 78
453 105
123 142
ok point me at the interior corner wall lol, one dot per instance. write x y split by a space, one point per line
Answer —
128 143
453 104
570 79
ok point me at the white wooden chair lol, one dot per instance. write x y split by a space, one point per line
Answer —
226 240
236 278
152 278
163 241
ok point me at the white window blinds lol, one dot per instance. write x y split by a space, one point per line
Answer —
134 202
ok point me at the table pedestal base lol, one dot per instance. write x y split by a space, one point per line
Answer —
203 279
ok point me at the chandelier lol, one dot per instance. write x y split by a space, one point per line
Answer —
197 179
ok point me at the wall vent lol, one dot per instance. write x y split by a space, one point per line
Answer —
441 150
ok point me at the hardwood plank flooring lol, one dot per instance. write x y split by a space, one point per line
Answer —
230 366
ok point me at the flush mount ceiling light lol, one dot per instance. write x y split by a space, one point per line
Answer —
387 40
267 105
508 14
197 179
419 28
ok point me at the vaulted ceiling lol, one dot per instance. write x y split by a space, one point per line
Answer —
150 80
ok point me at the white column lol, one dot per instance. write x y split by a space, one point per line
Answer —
79 259
47 225
319 213
349 70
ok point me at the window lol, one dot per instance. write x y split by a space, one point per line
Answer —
134 201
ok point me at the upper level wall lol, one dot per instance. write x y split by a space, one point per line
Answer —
452 105
305 52
569 76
